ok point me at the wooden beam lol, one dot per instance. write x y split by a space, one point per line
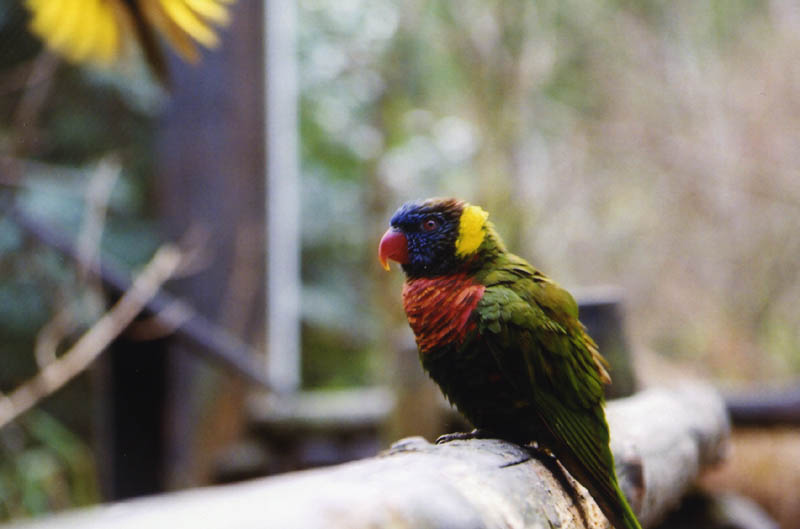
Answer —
662 439
761 407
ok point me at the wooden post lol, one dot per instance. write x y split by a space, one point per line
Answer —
132 427
210 179
602 312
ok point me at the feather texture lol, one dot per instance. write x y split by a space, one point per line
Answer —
439 310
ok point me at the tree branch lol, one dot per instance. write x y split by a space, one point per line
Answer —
89 346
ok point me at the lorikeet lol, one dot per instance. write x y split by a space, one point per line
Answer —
504 342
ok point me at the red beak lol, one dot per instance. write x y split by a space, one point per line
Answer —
394 245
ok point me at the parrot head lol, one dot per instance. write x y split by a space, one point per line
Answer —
433 237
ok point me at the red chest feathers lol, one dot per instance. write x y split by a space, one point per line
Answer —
439 309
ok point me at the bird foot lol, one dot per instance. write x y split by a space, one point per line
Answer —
537 452
463 436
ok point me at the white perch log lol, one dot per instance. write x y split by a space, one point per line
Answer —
661 440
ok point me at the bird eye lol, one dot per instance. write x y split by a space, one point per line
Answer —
429 224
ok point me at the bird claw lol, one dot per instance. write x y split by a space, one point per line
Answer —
535 449
462 436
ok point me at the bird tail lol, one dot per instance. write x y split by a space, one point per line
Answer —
618 510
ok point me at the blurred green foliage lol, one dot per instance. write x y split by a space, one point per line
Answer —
636 142
43 467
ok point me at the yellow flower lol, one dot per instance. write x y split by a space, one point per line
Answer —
94 31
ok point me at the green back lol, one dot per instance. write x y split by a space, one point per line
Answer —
531 326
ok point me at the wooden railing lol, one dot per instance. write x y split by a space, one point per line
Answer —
662 439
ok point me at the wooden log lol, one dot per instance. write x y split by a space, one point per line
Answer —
661 438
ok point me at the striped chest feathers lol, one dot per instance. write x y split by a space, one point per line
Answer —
438 309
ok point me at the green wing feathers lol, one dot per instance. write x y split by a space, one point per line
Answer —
531 326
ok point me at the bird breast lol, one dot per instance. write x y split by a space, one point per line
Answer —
439 309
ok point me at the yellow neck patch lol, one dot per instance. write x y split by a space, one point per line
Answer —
470 230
